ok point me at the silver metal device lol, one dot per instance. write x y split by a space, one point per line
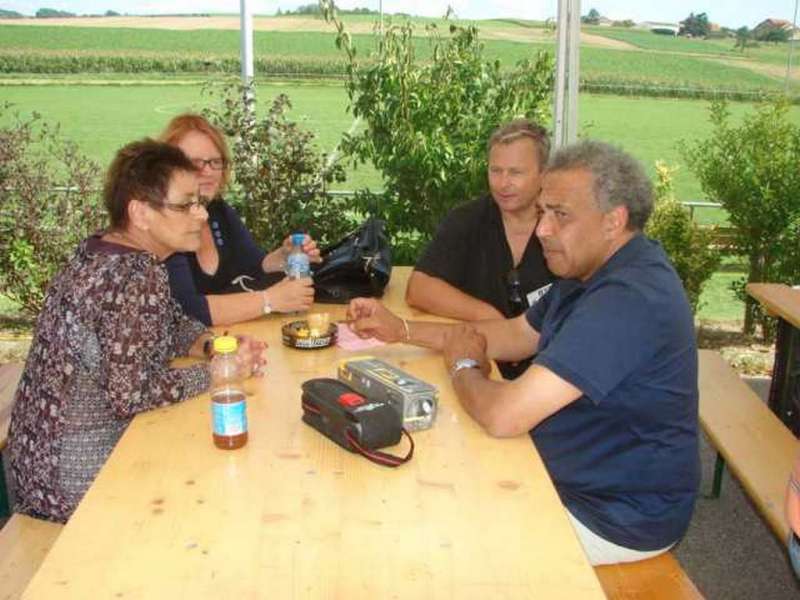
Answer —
414 399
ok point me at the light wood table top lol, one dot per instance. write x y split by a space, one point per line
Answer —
778 299
292 515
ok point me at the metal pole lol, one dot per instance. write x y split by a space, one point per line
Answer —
565 100
791 47
246 17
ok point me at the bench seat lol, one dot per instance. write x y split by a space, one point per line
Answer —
754 444
24 542
10 374
658 578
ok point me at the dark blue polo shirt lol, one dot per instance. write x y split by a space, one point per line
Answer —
624 456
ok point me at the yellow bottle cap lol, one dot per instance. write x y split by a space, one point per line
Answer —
225 344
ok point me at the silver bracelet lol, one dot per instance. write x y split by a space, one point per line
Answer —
408 331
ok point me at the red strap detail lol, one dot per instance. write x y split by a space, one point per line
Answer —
382 458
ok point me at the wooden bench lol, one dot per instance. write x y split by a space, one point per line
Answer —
24 542
9 378
754 444
659 578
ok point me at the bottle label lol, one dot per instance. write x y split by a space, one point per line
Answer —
297 265
229 418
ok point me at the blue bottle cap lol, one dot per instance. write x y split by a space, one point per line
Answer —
297 238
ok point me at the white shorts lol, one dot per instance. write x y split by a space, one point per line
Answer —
602 552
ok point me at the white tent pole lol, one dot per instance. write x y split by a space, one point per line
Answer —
247 50
565 100
791 46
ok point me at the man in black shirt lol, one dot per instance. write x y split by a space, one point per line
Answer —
485 261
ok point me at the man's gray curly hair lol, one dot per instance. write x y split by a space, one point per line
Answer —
619 179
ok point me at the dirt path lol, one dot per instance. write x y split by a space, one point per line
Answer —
776 71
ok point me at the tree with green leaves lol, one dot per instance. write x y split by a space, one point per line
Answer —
48 203
743 38
685 242
591 18
775 35
281 180
695 25
752 169
426 123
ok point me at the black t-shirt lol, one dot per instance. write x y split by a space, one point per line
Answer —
471 253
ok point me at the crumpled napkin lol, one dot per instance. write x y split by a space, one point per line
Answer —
347 340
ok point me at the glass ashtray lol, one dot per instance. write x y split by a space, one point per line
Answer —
299 334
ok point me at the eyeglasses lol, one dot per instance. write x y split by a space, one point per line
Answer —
185 207
217 164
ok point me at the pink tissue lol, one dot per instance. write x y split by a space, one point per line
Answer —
347 340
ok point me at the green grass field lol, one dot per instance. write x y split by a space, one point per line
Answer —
685 67
102 118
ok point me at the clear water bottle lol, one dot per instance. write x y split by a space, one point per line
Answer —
228 400
297 263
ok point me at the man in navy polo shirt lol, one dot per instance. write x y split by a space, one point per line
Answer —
611 398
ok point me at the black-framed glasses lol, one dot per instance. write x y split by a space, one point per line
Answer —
217 164
185 207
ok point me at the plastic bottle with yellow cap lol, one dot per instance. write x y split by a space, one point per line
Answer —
228 400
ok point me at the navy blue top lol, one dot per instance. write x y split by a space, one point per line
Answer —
239 263
624 456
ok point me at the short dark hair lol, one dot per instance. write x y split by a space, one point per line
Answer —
619 179
142 170
522 128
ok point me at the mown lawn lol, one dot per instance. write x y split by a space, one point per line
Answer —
102 118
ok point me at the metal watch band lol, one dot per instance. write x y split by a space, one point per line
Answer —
463 363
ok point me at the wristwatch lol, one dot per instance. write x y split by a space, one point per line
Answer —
266 307
463 363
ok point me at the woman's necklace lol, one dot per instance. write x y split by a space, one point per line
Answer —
124 239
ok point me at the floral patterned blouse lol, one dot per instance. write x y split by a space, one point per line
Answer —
100 355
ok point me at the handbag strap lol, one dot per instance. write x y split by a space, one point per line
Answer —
382 458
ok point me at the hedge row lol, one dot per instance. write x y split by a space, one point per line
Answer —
12 61
665 90
80 62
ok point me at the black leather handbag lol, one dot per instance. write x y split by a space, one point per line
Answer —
358 265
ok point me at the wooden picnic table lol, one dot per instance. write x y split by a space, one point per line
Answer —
292 515
783 302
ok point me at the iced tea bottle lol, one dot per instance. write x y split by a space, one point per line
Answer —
228 400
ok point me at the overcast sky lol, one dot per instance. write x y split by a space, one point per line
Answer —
730 13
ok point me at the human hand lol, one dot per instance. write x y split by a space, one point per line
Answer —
309 247
291 294
464 341
368 318
252 356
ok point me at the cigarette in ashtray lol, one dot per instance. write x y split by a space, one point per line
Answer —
318 324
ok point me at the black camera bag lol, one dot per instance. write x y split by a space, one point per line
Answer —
354 422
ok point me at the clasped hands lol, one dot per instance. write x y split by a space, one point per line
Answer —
252 355
368 318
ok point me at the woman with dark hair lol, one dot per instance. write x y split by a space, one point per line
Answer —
228 279
107 331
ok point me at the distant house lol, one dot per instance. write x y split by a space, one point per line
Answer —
770 24
658 27
605 22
